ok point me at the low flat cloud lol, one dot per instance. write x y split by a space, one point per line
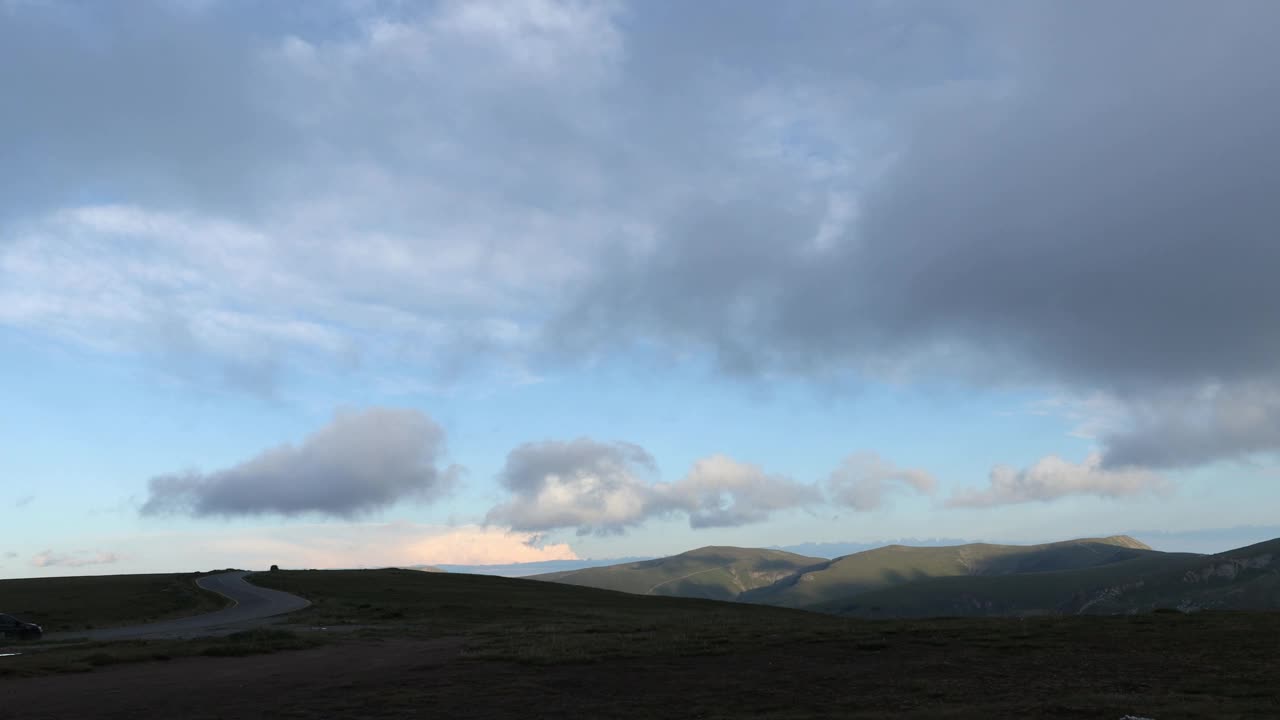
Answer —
384 544
362 461
79 558
864 481
606 488
1052 478
473 545
325 545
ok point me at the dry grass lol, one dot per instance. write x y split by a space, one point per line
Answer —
530 649
68 604
85 657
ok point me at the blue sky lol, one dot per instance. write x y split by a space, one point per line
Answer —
367 283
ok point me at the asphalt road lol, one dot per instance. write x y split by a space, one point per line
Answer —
251 604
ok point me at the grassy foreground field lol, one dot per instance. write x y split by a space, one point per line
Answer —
448 645
618 655
68 604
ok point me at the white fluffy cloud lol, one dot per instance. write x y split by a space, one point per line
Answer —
362 461
864 479
608 487
595 487
719 491
1052 478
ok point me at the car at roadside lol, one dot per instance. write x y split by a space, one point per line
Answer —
12 628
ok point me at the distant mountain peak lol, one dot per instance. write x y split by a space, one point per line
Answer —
1124 541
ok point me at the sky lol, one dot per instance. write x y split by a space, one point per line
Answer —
362 283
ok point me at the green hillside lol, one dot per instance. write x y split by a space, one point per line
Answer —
1246 578
64 604
897 565
1112 575
716 573
1243 579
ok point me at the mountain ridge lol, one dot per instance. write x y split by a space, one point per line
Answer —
893 565
716 572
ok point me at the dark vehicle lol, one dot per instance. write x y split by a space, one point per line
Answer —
12 628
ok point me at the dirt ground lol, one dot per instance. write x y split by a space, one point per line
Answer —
903 677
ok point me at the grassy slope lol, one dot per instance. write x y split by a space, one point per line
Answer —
1240 579
897 565
1246 578
558 650
533 621
81 603
631 655
716 573
1063 591
86 657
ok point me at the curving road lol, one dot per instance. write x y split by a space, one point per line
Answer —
250 603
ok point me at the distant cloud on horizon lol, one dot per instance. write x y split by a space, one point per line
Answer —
350 545
79 558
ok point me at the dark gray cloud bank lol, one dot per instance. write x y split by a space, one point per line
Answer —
1071 196
360 462
1101 215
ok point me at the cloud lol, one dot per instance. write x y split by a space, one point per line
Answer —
328 545
722 492
595 487
1045 194
1184 428
79 558
324 233
362 461
1086 212
1052 478
487 546
864 479
25 500
382 545
607 487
